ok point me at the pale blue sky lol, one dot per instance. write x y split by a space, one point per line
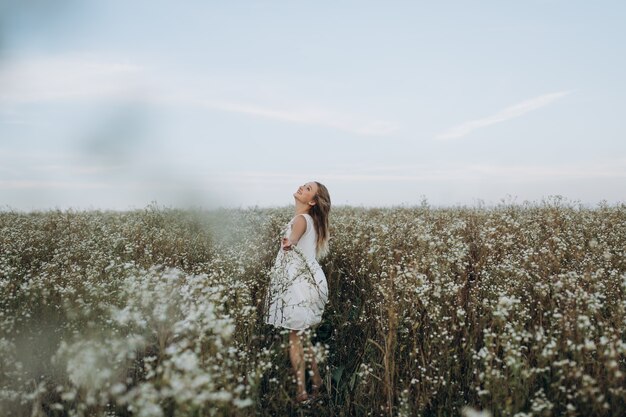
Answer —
115 104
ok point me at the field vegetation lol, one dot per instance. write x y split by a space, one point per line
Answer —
515 310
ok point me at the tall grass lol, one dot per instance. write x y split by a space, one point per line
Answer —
517 310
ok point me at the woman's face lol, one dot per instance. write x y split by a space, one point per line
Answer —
306 192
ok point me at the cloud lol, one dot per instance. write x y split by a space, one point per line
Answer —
309 116
51 184
520 173
66 77
76 169
508 113
73 77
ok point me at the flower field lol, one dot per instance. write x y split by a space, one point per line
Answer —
515 310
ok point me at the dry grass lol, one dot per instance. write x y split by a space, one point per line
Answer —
518 310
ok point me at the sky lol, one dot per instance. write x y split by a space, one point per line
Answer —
117 104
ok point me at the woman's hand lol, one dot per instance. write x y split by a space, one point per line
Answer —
286 244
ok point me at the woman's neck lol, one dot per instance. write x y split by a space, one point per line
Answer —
302 208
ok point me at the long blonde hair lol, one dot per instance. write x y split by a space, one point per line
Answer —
319 212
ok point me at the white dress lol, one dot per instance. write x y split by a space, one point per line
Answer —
298 291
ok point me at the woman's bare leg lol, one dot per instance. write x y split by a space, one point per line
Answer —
296 354
317 379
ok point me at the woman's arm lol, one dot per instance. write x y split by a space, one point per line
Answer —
297 230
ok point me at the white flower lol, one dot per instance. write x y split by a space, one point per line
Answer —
243 403
186 361
468 411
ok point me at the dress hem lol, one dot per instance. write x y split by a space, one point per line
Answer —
290 328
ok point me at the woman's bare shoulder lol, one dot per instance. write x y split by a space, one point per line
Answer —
303 215
301 220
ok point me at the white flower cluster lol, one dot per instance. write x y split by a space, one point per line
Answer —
194 363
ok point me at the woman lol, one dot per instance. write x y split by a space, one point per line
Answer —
298 291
